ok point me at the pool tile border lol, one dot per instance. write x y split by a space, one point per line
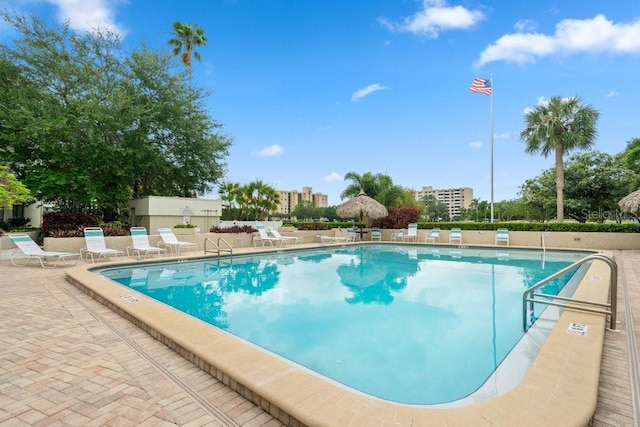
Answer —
560 388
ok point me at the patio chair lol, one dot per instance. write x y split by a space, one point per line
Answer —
285 239
502 236
28 250
398 235
455 235
171 241
432 236
141 246
96 245
264 237
376 234
412 233
352 234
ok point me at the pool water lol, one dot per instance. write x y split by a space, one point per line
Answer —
411 324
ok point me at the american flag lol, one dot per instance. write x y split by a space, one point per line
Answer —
481 86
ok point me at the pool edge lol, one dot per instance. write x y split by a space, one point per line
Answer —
560 388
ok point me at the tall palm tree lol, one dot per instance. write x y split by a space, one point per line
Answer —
559 125
187 37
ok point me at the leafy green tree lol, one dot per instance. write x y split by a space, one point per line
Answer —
510 210
186 38
12 191
539 196
596 181
307 210
631 158
435 210
87 126
559 126
474 208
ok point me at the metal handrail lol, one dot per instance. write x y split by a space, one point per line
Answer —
217 247
573 303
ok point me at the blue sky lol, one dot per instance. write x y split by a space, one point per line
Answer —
310 90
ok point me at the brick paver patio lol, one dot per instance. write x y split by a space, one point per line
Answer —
67 360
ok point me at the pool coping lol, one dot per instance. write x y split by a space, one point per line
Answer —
560 388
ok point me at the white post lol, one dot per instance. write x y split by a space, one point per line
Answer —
491 141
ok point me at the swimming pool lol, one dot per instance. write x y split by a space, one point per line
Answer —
411 324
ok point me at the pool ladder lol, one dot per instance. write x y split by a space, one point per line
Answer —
529 296
216 246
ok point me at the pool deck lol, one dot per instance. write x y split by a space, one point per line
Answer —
66 359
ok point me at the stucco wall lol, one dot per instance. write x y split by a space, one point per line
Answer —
598 241
552 239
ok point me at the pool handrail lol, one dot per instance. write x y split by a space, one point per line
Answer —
530 294
217 247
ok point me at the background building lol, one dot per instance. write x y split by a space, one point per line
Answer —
455 198
290 199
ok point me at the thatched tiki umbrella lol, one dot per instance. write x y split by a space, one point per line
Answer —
362 205
631 203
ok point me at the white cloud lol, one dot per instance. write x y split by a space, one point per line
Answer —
434 17
333 176
475 144
88 15
503 135
597 35
271 150
525 25
359 94
612 93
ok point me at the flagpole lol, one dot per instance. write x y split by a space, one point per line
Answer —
491 141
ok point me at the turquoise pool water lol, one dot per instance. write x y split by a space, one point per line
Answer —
411 324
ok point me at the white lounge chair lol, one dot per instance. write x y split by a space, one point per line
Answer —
264 237
455 235
28 250
412 233
96 245
432 236
285 239
376 234
350 237
335 239
141 246
171 241
352 234
502 236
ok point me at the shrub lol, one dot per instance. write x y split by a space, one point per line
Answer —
314 226
115 228
18 222
234 229
184 226
56 222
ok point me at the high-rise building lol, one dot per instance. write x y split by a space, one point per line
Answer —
454 198
290 199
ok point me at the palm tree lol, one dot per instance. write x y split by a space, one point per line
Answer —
559 125
228 192
378 186
187 37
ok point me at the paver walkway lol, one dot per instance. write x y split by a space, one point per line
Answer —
67 360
